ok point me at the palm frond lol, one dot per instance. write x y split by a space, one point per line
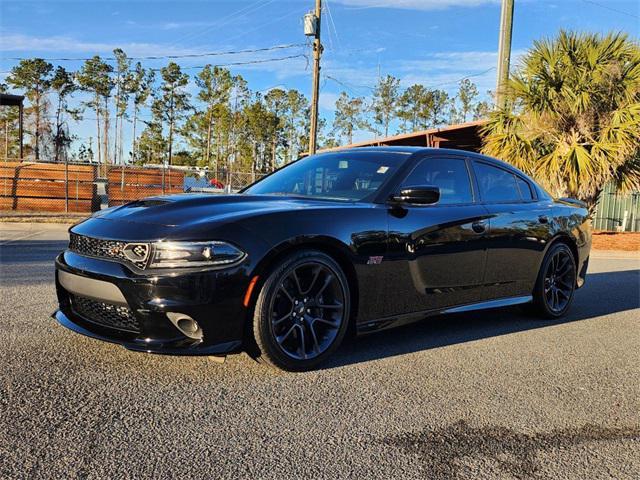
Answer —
575 122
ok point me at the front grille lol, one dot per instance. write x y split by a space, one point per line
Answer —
114 316
111 249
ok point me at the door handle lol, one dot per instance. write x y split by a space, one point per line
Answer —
543 219
479 226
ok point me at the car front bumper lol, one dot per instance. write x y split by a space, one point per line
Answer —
103 299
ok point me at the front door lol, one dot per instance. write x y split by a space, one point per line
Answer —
436 254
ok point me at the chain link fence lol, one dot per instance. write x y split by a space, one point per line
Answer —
85 188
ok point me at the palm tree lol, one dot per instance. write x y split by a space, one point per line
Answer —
573 115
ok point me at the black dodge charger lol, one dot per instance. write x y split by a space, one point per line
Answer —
354 240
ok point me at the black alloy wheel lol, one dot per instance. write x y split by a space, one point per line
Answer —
302 311
556 282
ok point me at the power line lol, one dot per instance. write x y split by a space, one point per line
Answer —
348 86
333 25
250 62
612 9
351 86
188 55
463 78
225 20
264 24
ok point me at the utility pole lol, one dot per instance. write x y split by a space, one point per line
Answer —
504 51
312 28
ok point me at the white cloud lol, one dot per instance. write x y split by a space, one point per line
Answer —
327 101
414 4
61 46
65 44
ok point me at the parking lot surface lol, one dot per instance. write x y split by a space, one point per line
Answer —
494 394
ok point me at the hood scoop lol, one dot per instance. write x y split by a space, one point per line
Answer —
151 202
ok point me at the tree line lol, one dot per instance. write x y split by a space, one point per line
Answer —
224 125
412 109
571 120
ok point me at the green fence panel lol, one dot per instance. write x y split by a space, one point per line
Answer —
617 212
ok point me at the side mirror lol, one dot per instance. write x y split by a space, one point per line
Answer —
418 195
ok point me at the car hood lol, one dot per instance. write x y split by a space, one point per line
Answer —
189 209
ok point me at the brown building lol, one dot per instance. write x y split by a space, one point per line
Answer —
463 136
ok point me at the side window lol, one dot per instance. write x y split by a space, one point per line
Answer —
496 184
525 189
450 175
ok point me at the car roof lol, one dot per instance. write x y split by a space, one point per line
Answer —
385 149
430 150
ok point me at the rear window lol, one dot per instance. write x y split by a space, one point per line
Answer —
525 189
448 174
496 184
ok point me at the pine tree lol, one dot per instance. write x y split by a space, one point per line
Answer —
174 101
141 87
467 94
260 127
440 103
277 102
349 116
415 108
123 77
296 125
151 147
240 155
385 100
64 85
215 89
95 78
34 77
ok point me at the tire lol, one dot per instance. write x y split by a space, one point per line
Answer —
302 312
556 282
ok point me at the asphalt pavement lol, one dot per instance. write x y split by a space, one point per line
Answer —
495 394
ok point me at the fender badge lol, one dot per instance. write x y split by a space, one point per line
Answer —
377 260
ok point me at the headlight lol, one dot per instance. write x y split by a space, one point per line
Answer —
194 254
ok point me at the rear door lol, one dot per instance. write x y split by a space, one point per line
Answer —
436 252
518 230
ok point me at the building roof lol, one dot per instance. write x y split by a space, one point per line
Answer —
465 136
11 100
374 148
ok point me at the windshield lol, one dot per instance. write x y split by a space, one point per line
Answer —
350 176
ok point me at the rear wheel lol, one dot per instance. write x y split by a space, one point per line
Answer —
556 283
302 312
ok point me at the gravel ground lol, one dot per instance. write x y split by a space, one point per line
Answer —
486 395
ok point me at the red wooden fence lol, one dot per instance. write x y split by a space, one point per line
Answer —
50 187
137 183
47 187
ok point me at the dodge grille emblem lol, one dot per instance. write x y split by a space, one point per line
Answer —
136 252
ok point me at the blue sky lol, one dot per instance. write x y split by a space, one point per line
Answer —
433 42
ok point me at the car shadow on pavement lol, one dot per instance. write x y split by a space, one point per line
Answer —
30 251
604 293
28 262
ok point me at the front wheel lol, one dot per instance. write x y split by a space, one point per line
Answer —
556 282
302 311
